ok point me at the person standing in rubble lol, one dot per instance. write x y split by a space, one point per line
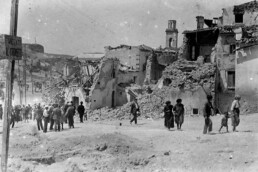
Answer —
179 112
235 108
81 110
207 112
135 111
168 115
70 114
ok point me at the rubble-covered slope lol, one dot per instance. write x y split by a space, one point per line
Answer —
185 74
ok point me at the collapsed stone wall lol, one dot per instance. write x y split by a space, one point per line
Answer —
153 69
183 50
185 76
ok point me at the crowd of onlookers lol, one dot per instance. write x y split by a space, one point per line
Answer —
54 114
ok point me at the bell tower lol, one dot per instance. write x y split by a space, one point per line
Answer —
171 34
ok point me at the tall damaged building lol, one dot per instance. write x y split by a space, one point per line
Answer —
216 40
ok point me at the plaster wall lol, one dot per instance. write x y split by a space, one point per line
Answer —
225 62
132 57
247 75
104 85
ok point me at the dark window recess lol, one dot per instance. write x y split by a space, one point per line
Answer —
232 48
195 111
238 18
167 81
94 100
134 79
98 82
121 93
231 79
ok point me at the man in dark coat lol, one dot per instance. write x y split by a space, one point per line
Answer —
57 114
135 110
179 111
69 114
39 116
168 115
81 110
207 112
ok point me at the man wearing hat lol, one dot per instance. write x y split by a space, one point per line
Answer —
235 108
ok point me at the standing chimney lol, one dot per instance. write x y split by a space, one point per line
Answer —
200 22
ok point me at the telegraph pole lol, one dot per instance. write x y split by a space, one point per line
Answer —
9 90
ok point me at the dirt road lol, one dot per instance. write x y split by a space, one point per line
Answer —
148 146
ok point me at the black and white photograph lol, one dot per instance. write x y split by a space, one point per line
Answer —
129 85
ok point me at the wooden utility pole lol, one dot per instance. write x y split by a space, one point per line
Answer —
9 90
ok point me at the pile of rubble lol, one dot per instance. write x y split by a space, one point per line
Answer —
250 34
150 102
185 74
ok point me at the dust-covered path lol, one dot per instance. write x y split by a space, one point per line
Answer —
148 146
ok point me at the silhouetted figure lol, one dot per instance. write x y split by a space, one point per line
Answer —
81 110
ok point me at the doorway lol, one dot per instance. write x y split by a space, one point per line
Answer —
75 101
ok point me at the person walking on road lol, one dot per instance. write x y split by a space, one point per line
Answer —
135 111
207 112
179 111
168 115
81 110
235 108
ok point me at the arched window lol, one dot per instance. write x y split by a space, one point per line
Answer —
170 42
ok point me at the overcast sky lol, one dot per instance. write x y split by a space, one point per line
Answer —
76 26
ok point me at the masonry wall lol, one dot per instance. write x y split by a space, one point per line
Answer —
133 57
225 62
192 99
247 77
104 87
249 18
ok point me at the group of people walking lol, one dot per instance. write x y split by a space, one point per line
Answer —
233 114
54 114
176 114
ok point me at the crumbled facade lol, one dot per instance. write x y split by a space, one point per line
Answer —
246 68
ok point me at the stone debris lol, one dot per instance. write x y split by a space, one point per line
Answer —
185 74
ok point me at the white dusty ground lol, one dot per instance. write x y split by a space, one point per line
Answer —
148 146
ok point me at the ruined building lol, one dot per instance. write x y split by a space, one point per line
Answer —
215 40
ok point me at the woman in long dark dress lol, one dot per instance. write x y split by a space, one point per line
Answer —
168 115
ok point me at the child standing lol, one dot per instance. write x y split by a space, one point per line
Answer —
224 121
